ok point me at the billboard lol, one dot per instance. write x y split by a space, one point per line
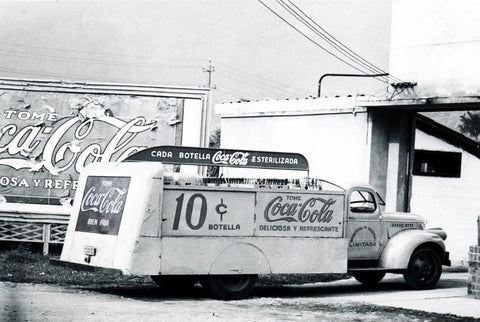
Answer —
48 134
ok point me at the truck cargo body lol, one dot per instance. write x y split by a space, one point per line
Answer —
160 228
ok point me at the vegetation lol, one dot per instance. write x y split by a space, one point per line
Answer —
470 125
25 263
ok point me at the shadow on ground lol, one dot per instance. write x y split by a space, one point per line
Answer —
348 287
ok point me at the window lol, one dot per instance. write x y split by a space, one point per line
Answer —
437 163
362 201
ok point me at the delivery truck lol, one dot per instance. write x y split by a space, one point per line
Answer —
139 217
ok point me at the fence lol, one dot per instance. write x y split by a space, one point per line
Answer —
34 223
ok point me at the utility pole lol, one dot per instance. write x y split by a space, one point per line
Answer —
210 69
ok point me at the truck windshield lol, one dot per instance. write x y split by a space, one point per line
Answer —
380 200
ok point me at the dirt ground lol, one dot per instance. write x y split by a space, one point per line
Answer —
314 302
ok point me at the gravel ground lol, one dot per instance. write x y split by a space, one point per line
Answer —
313 302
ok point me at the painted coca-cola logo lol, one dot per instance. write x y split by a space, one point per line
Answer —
59 152
236 158
102 204
110 202
314 210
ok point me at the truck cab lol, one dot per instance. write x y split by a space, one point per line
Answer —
381 242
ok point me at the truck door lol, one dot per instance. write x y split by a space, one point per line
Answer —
366 231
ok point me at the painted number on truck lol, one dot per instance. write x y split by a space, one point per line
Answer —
207 213
189 211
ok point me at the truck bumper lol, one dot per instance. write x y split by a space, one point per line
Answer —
446 259
84 267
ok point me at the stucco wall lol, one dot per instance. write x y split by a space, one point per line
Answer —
435 43
450 203
336 145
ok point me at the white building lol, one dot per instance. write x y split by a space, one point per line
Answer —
435 43
446 185
434 49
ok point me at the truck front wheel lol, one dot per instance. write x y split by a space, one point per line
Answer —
424 269
368 277
229 287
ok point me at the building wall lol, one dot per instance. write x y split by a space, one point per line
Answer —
435 43
450 203
333 138
343 143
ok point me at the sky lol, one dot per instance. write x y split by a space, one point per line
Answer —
255 55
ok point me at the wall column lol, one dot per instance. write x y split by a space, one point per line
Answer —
401 125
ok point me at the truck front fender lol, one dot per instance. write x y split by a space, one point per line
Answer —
240 258
400 248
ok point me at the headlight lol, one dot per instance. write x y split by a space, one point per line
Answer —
422 225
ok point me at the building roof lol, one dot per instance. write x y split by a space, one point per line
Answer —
455 138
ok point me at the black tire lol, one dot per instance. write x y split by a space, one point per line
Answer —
229 287
424 269
369 278
175 282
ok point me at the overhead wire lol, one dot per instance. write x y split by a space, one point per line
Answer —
71 76
362 68
310 39
50 74
231 91
91 52
93 60
252 80
382 89
257 77
262 87
330 38
341 48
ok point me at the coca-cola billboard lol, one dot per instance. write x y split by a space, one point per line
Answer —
102 205
47 138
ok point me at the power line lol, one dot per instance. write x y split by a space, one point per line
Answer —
90 52
375 68
256 77
298 14
361 69
231 91
94 61
70 76
257 86
309 38
49 74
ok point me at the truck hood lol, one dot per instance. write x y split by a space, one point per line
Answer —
400 221
402 216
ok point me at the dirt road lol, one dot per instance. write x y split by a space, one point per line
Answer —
341 300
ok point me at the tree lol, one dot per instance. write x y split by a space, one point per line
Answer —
214 142
470 125
214 139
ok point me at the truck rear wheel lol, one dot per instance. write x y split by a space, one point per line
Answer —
424 269
229 287
368 277
173 282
